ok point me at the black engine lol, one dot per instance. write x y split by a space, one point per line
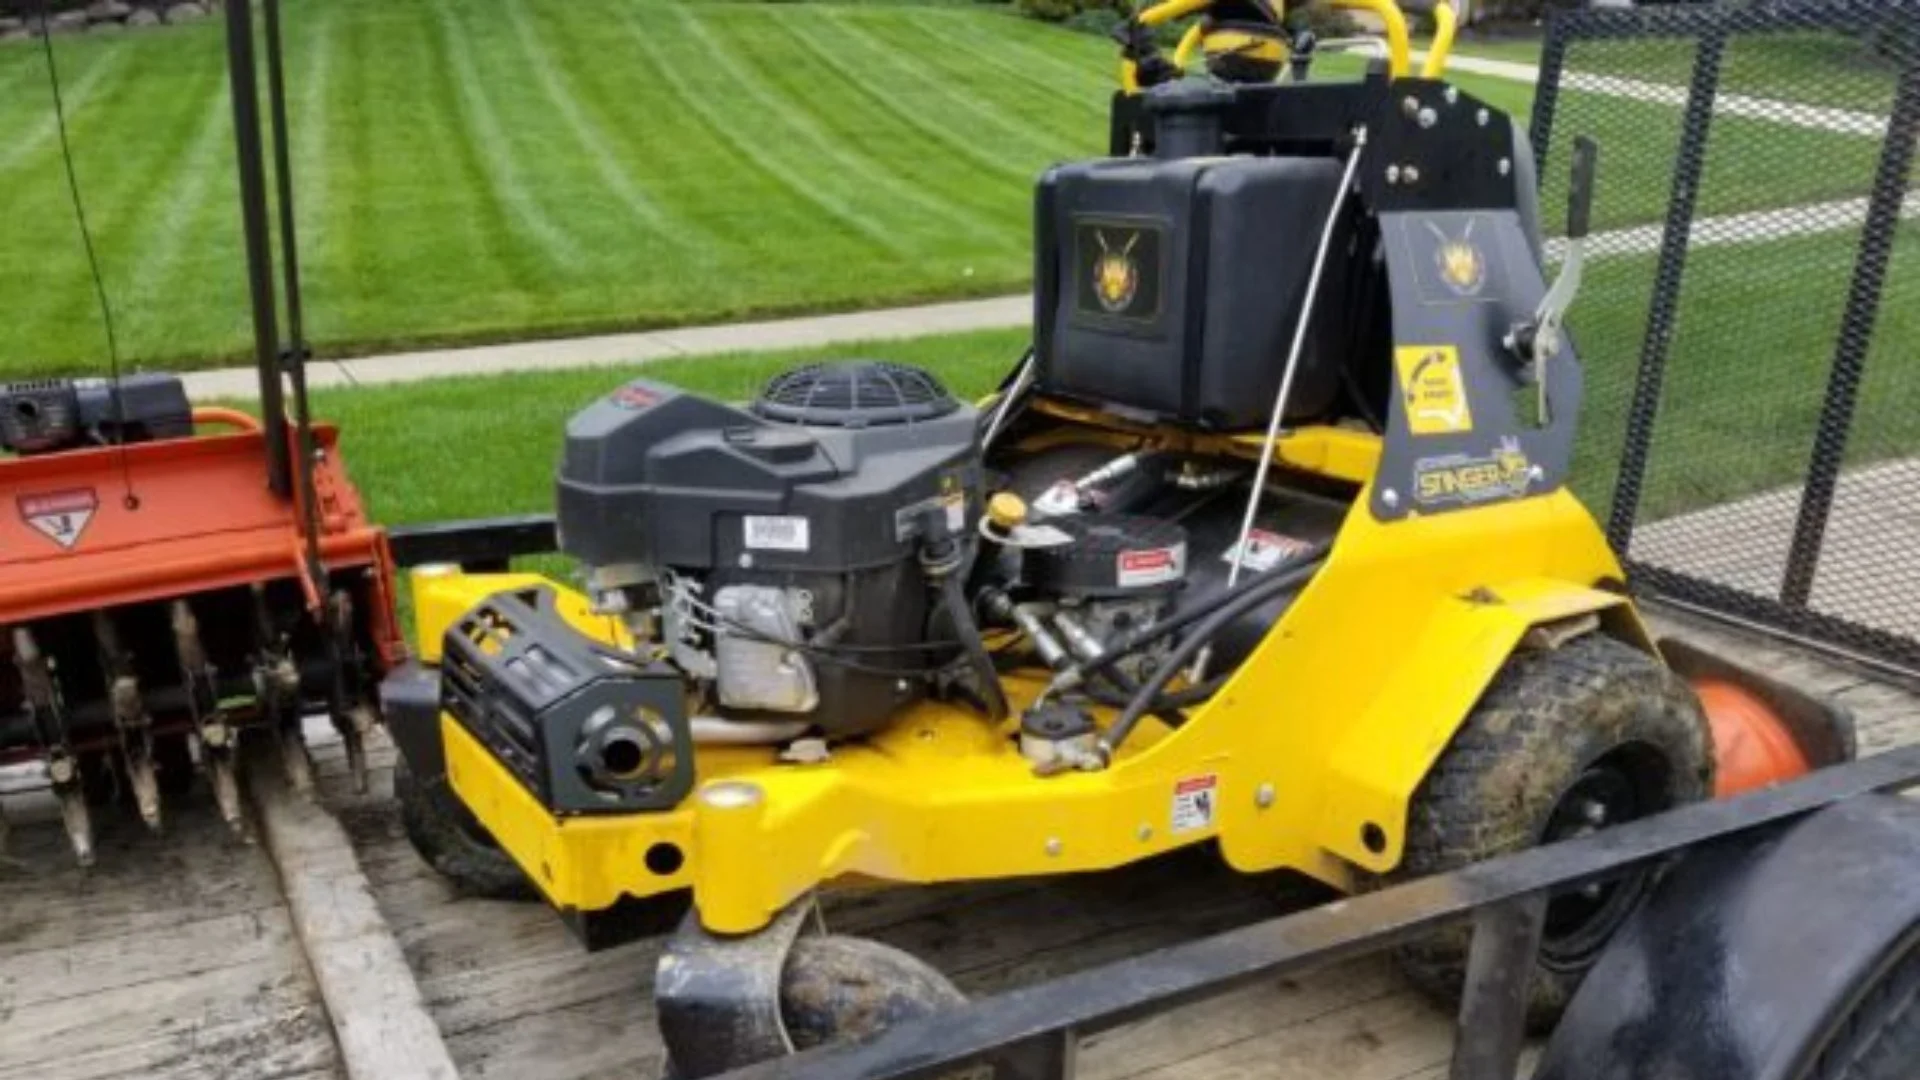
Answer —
786 556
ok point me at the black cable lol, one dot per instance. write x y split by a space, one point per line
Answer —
131 500
960 617
1244 600
1264 586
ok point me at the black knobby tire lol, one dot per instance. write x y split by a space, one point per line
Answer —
452 840
1880 1037
1595 722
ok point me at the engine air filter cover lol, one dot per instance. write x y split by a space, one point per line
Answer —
853 394
1109 555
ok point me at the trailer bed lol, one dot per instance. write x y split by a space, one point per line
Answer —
86 990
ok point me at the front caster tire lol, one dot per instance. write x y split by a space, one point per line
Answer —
837 989
844 989
1565 742
452 840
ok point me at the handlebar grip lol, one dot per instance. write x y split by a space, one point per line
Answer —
1586 163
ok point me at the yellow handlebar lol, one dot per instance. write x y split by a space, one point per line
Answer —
1399 43
1189 44
1168 10
1445 23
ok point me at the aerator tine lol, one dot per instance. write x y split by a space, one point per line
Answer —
210 721
130 719
353 719
276 682
63 769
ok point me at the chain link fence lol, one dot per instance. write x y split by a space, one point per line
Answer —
1751 317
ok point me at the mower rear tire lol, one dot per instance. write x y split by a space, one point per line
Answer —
452 840
1566 741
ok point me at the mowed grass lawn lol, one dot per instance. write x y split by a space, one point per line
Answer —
473 169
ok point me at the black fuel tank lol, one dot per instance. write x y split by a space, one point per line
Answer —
1172 287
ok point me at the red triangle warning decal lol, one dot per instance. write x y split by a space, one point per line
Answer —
60 515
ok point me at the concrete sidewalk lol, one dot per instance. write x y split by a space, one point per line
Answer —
885 324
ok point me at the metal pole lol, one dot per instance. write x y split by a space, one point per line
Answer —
294 359
1856 337
244 91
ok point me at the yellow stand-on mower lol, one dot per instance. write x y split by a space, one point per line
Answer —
1266 546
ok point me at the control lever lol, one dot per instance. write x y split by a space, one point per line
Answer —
1538 339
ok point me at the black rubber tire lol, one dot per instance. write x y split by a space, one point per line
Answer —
844 989
1880 1038
457 846
840 989
1550 720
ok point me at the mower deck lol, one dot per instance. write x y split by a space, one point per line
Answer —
513 995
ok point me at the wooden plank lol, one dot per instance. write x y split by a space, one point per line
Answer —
208 1023
378 1018
253 940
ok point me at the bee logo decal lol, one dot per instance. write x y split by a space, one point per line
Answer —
1462 265
1116 277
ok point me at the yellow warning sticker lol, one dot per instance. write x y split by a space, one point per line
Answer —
1433 390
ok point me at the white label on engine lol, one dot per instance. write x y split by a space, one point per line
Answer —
1264 551
1153 566
777 533
1194 799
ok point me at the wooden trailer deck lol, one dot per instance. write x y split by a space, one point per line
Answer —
179 955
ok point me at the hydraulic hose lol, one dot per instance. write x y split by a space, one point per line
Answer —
1263 588
971 643
1145 699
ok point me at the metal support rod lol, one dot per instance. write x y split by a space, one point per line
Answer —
1491 1026
1856 338
293 359
244 90
1689 165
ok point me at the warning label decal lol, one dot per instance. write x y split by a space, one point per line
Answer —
1194 802
60 516
1151 566
1433 390
1265 550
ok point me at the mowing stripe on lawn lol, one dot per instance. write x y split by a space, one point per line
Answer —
312 71
1020 45
116 198
756 154
495 151
902 107
1039 86
987 126
794 121
592 140
171 221
101 72
877 125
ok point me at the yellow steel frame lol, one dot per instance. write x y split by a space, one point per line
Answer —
1312 750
